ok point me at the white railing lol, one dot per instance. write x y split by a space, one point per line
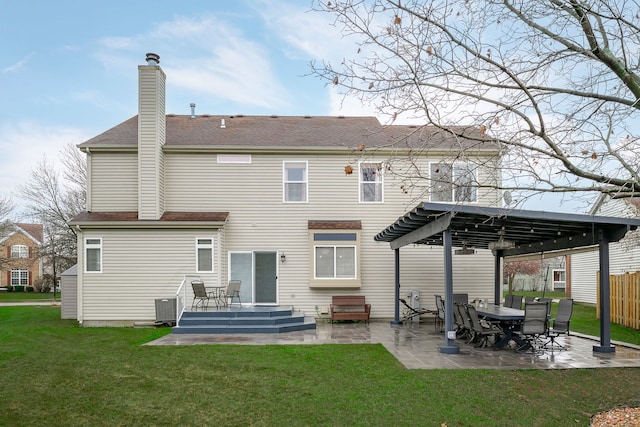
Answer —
181 294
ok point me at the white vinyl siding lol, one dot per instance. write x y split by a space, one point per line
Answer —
138 267
624 256
114 181
258 220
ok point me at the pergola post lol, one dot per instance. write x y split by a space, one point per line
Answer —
396 316
450 346
497 277
604 299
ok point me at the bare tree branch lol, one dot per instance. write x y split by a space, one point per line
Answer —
556 83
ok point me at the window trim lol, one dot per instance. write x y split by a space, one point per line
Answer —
94 246
20 272
199 246
452 181
377 182
285 181
335 263
335 238
17 248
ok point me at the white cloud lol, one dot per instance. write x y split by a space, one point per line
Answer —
306 33
24 144
222 63
18 65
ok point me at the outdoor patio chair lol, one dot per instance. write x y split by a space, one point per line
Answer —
482 331
533 327
461 329
560 325
508 300
440 313
200 296
232 291
466 322
516 302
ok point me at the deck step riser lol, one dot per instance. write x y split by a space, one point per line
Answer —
245 320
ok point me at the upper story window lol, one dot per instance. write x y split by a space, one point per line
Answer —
93 255
204 255
371 182
19 251
453 182
295 182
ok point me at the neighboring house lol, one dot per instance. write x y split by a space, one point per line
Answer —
624 256
288 205
20 263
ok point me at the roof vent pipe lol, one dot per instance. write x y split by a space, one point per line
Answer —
193 110
153 59
223 125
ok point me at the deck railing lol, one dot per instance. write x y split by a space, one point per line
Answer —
181 294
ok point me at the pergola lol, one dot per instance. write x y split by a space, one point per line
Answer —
507 232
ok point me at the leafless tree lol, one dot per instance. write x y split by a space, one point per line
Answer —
554 82
53 196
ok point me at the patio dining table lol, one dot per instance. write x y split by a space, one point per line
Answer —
509 318
216 292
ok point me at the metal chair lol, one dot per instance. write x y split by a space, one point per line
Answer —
560 324
533 327
516 302
200 296
439 323
481 331
508 300
232 291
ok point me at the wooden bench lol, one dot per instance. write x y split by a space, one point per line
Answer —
349 307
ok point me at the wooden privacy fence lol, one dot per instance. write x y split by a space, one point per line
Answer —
625 299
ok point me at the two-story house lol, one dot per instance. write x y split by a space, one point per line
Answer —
20 263
288 205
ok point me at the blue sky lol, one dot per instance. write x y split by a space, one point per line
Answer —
68 69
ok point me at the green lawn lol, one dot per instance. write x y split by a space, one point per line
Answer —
583 320
56 373
27 296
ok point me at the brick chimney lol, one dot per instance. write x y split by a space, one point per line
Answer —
151 138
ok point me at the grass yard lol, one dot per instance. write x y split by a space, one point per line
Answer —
56 373
28 296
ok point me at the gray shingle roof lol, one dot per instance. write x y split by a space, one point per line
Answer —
288 132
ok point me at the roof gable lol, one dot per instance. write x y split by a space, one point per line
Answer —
32 231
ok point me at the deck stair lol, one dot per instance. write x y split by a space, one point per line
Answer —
244 320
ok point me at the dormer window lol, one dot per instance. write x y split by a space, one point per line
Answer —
19 251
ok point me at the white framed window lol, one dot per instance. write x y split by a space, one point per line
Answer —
371 182
234 158
453 182
93 255
20 277
204 255
19 251
335 262
294 182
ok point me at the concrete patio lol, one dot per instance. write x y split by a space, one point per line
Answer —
416 346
